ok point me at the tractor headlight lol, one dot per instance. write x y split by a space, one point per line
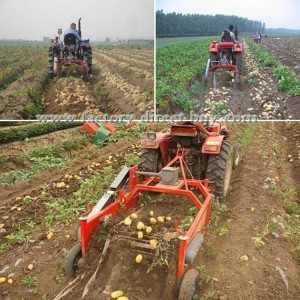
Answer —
151 135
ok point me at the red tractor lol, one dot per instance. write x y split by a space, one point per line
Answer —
70 52
211 157
174 163
228 55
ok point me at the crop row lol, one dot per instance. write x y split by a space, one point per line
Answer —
127 66
133 93
13 65
288 81
177 66
20 134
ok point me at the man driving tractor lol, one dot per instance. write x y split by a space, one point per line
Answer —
228 36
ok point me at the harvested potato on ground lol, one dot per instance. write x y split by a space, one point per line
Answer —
151 213
148 229
153 244
116 294
30 267
140 226
168 218
161 219
152 221
134 216
123 298
2 280
139 258
127 221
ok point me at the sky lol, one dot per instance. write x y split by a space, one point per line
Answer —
275 13
35 19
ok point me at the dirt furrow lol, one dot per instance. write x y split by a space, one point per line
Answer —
123 96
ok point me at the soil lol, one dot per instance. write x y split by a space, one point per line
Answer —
257 93
289 56
260 277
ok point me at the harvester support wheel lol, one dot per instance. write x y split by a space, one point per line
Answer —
236 155
150 160
188 285
219 169
72 260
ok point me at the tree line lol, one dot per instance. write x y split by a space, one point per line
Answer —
178 25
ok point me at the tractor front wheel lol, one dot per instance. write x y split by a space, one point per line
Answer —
150 160
188 285
72 260
219 169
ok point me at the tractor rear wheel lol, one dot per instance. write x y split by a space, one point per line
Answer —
219 169
50 63
239 63
188 285
150 160
72 260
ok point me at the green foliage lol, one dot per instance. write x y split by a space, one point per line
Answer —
131 159
176 67
20 134
30 281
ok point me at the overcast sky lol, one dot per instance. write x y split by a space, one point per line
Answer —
275 13
34 19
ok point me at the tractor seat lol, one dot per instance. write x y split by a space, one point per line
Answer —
70 39
226 45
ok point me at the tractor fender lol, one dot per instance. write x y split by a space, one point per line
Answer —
213 47
212 144
162 141
239 47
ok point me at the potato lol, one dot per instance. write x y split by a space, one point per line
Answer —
10 281
161 219
127 221
153 244
49 235
152 221
30 267
151 213
140 234
123 298
139 258
116 294
148 229
168 218
2 280
134 216
140 226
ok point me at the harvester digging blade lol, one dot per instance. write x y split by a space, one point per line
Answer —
102 257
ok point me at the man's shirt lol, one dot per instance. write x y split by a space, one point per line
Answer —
70 30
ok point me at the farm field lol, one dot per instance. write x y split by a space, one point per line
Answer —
251 247
290 55
123 83
264 93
